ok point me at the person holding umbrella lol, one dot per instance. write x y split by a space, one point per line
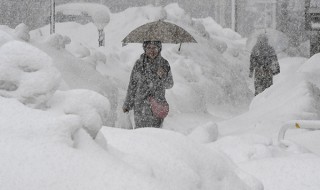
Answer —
263 63
151 74
150 77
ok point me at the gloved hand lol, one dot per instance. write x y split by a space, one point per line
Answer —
161 72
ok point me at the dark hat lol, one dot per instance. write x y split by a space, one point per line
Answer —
262 38
156 43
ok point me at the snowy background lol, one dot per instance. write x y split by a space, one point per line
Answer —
62 127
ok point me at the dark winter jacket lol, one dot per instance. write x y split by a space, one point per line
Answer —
261 59
144 82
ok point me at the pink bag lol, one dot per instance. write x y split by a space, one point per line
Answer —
159 109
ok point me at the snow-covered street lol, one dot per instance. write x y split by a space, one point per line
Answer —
62 125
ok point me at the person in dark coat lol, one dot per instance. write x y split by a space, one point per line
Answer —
151 75
263 64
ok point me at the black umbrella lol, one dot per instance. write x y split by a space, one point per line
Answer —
165 32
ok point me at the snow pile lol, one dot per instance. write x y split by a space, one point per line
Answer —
167 155
95 58
296 172
57 141
58 41
79 73
58 154
252 147
4 37
27 74
215 30
295 95
81 51
22 32
41 150
92 108
98 12
296 90
311 65
175 13
205 133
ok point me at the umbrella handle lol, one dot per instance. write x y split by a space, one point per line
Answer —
180 47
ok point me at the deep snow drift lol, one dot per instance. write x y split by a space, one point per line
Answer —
61 98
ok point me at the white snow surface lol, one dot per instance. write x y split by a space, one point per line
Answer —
62 128
100 14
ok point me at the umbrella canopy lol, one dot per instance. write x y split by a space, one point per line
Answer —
278 40
159 31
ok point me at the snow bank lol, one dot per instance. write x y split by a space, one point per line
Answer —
81 51
175 13
78 74
92 108
98 12
95 58
311 65
50 150
294 96
166 155
41 150
58 41
27 74
215 30
296 172
249 147
205 133
4 37
22 32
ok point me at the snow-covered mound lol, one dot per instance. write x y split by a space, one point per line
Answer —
92 107
166 155
4 37
40 149
98 13
77 96
295 95
22 32
22 65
